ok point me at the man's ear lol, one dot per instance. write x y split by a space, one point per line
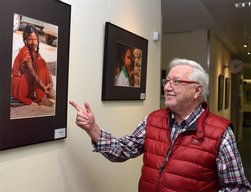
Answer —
198 91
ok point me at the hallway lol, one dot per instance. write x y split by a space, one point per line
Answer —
245 148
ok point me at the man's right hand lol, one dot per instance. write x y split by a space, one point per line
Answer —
85 119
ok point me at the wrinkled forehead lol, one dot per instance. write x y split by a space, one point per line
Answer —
180 71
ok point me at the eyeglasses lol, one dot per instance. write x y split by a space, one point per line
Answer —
177 82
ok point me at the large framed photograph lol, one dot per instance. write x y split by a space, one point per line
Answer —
34 39
125 65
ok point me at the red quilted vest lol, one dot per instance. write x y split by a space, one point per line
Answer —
191 164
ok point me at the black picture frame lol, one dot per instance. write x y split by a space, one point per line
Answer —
163 76
227 84
116 40
220 91
27 130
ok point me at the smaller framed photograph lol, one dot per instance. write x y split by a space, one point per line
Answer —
248 96
125 65
227 84
163 76
220 91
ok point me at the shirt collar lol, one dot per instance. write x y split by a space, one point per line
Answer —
189 120
124 71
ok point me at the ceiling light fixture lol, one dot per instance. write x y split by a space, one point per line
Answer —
245 45
243 4
249 53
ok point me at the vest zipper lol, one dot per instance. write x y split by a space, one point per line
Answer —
164 165
169 151
166 159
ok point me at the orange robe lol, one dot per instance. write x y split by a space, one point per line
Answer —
23 85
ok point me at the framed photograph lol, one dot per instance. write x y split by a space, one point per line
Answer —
34 39
163 76
246 87
220 91
227 84
247 96
125 65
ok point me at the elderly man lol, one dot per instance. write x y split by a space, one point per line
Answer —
185 147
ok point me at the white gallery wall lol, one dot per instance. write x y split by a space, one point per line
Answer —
70 165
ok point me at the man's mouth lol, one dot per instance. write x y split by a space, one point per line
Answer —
170 94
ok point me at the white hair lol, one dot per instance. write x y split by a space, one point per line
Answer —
198 74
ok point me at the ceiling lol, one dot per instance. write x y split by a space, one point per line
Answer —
232 25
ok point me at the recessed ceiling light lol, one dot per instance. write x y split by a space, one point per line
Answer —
243 4
245 45
249 53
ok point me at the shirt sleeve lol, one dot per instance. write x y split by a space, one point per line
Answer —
25 57
230 169
124 148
